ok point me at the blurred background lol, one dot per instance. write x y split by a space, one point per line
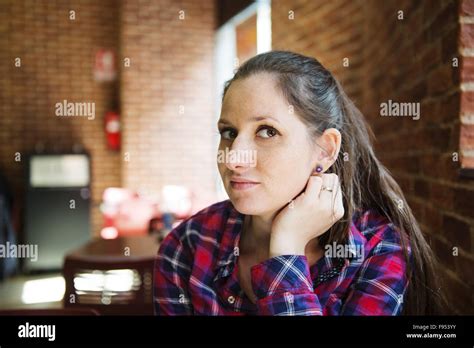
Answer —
108 134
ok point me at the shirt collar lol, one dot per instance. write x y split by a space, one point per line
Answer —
229 249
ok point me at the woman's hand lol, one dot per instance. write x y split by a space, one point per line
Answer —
308 216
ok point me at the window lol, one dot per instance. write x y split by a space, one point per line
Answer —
245 35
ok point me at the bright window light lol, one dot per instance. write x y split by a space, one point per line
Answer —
226 53
119 280
43 290
264 26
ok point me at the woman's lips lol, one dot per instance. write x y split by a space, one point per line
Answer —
243 185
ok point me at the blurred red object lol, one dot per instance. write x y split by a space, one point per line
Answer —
112 130
126 213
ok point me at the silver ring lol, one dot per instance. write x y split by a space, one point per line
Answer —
326 188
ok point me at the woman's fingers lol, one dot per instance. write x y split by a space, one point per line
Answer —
329 183
339 213
313 187
337 205
327 189
330 198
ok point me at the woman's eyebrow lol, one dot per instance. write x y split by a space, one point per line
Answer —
254 119
262 118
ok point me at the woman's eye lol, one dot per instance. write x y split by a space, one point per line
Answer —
264 132
267 132
228 134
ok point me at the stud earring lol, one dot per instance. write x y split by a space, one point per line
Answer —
318 169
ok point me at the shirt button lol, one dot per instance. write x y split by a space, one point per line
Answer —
290 297
231 299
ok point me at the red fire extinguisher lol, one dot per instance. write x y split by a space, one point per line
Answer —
112 130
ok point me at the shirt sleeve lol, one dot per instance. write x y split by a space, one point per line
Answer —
171 273
380 286
283 286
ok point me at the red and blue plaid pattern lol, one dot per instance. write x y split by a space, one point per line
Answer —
196 272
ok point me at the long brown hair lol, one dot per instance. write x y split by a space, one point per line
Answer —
321 103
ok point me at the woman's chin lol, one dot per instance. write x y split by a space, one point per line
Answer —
247 205
254 206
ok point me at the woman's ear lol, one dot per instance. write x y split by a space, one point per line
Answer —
327 149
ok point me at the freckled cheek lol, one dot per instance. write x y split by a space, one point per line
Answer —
274 167
283 171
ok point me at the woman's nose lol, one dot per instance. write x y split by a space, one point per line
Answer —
237 165
240 157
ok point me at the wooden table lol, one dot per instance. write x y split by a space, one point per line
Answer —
97 275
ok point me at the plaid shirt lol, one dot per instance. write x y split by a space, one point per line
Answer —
196 272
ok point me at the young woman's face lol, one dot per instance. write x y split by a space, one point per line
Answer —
257 120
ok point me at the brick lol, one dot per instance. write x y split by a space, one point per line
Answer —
467 71
449 108
441 79
464 263
457 231
467 35
444 251
448 15
459 294
467 8
417 207
436 138
449 45
433 219
467 136
421 188
421 89
463 199
441 196
467 102
430 56
467 162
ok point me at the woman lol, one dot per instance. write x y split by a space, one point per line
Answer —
315 226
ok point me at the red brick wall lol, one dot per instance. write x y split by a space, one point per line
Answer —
327 30
169 130
246 39
467 80
409 60
57 59
420 69
167 113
